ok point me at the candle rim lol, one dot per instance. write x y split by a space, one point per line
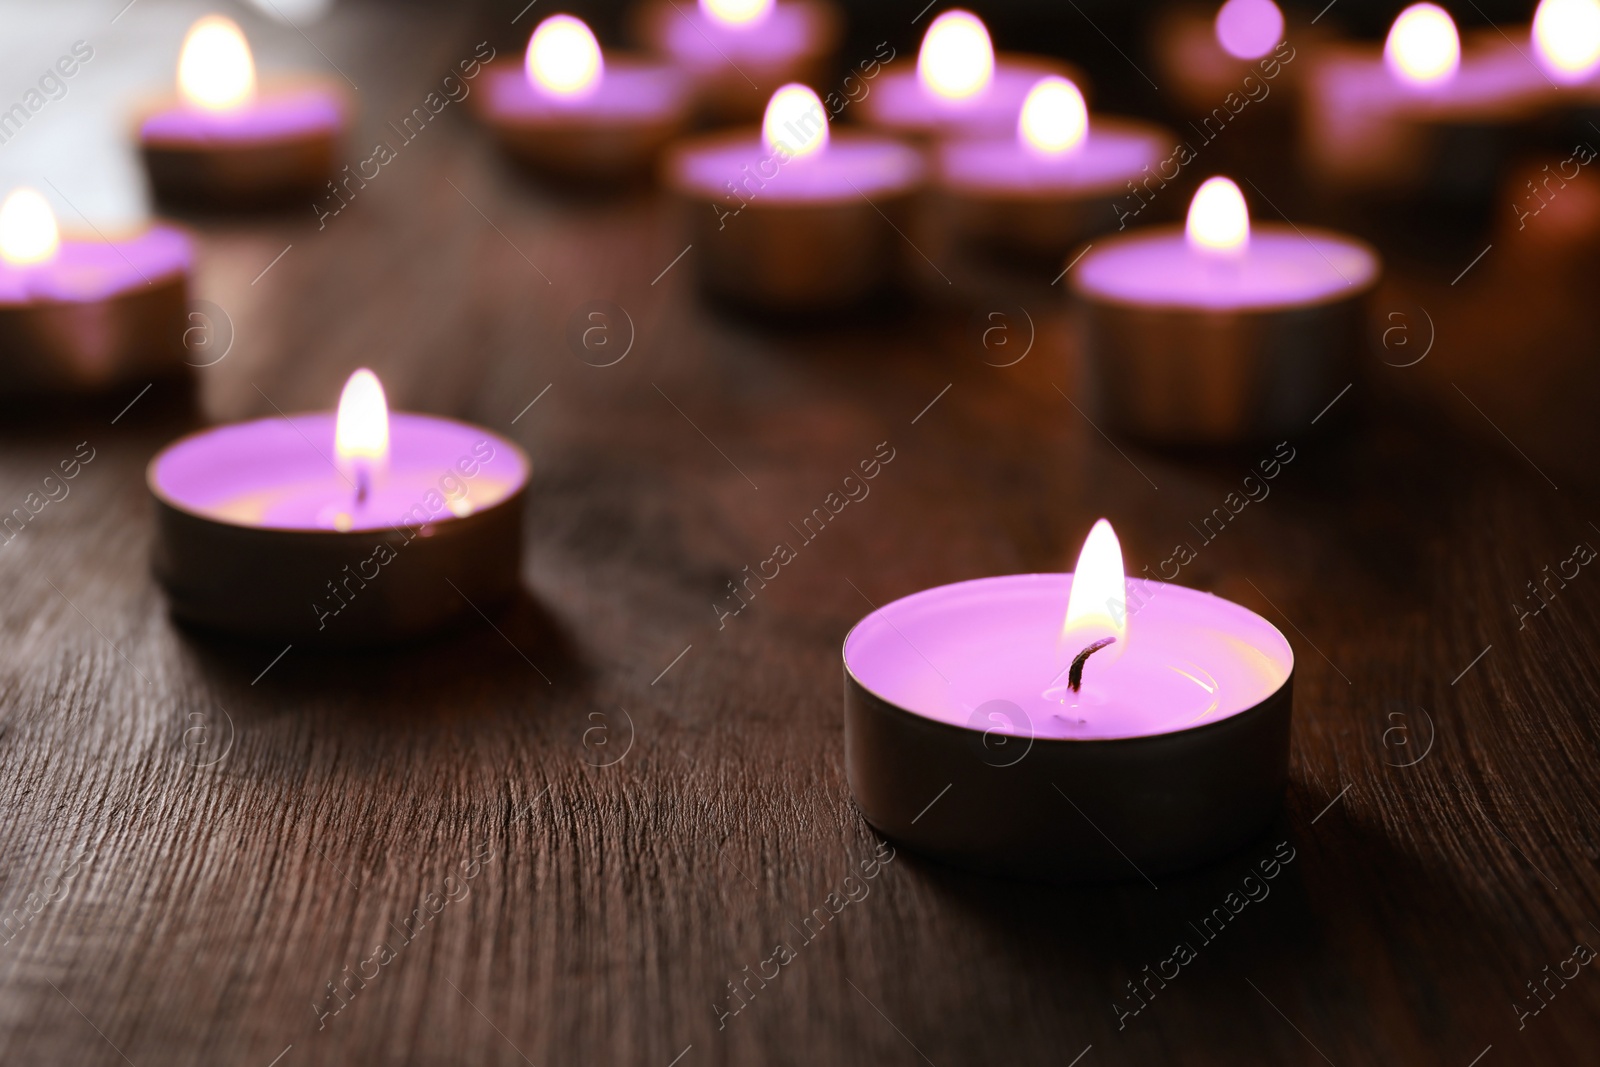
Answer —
1264 705
1152 234
158 491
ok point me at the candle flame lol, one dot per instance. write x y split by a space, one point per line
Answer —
736 14
564 58
1097 602
957 60
1218 219
1566 34
28 231
795 123
1054 118
1248 29
215 70
1423 47
361 430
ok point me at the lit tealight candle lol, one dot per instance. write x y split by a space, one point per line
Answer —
1423 48
1427 123
357 527
787 218
1056 181
1566 38
227 142
736 52
85 315
960 86
1235 61
574 112
987 690
1221 331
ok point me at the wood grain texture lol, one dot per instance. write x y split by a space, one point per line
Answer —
239 836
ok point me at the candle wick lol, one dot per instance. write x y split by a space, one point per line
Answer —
363 486
1075 672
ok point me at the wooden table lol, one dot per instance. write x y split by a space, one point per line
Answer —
573 829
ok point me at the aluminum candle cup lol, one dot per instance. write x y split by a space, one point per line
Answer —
569 113
259 532
86 315
803 230
1190 344
223 144
955 748
725 47
1058 180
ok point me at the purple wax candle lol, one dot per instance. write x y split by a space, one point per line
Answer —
959 87
993 646
572 112
1423 116
1219 331
80 314
274 528
1057 180
793 217
1159 711
737 52
276 474
226 143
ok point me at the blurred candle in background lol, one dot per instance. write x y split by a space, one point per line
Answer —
227 142
1249 29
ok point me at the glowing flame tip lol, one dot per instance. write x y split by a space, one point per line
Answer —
1423 47
28 231
1218 219
956 61
361 429
1054 118
736 14
1097 602
215 68
795 123
564 58
1566 35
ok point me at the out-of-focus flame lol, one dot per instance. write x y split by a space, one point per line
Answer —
957 60
736 14
1097 603
564 58
361 430
1218 219
1423 47
1566 34
1248 29
215 70
795 123
1054 118
28 231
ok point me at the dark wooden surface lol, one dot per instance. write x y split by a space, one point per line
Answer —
244 834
